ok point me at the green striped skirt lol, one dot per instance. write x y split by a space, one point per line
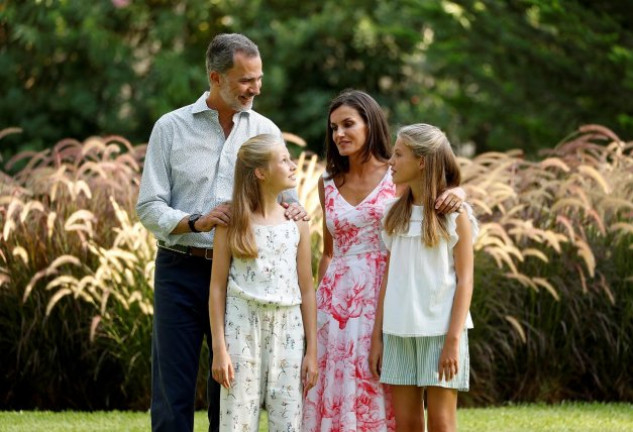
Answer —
414 361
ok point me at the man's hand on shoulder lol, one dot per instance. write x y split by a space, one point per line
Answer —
294 211
220 215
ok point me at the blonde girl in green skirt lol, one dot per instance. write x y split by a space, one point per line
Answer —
420 337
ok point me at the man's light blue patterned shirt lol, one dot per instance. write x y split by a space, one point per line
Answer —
189 168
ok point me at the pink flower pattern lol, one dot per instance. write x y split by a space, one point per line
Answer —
346 397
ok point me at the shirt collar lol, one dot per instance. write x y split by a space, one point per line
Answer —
201 105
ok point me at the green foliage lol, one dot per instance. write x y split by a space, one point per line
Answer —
313 51
499 74
517 74
72 68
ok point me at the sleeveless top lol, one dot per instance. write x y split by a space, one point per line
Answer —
271 278
422 281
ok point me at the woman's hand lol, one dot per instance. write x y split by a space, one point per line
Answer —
222 369
450 200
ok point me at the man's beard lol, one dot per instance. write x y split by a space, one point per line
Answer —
231 100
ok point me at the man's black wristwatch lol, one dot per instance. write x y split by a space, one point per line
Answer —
192 222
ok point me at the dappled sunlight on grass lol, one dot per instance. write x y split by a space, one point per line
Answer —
566 417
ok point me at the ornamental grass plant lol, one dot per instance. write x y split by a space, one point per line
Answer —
76 276
77 271
553 300
553 303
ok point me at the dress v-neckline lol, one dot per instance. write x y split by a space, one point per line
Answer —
367 196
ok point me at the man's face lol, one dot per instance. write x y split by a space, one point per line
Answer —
240 84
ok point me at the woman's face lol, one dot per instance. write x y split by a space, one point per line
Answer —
349 130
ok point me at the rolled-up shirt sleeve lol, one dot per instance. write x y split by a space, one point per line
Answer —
289 196
153 205
189 168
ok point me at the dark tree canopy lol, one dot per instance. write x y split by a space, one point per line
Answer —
499 74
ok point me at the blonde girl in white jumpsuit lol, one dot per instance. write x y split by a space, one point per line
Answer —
262 302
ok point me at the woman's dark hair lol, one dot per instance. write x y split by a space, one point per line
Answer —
378 141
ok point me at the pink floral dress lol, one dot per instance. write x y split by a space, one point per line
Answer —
346 397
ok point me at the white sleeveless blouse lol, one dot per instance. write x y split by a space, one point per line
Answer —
422 280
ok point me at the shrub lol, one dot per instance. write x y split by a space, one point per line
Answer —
77 277
553 304
553 272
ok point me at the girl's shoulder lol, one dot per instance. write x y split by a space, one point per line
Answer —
300 230
466 213
466 216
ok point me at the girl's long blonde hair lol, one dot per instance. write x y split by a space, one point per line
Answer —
440 172
254 153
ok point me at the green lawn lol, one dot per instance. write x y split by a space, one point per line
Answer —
560 418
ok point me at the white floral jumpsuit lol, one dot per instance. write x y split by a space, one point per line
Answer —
264 334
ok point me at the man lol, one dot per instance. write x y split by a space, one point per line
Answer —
184 193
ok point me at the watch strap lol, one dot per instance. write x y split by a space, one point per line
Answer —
192 222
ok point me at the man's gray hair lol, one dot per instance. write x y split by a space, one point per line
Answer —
224 46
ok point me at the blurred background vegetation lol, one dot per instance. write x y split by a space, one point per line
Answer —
496 74
514 80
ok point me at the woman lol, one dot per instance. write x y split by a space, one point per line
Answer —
353 192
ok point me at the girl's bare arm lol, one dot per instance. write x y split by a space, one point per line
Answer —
375 351
328 242
222 368
309 370
463 259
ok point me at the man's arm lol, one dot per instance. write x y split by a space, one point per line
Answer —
220 215
154 198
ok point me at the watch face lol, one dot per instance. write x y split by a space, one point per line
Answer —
192 220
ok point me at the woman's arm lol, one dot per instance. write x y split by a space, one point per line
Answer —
450 200
328 242
222 368
464 270
309 370
375 352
